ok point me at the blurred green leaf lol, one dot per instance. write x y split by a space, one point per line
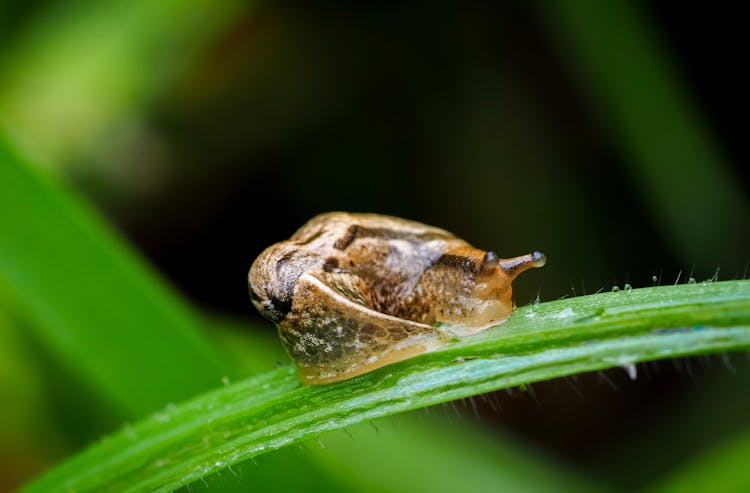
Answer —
17 383
95 305
697 417
452 456
82 67
249 349
722 469
183 443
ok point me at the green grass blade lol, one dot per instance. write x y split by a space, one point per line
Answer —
186 442
356 458
96 306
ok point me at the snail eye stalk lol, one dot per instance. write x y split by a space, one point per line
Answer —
516 265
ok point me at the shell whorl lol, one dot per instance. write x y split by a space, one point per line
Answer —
350 293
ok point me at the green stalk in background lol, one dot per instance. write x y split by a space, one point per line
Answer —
671 156
92 301
207 434
722 469
67 78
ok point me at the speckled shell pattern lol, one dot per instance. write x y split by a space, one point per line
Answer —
353 292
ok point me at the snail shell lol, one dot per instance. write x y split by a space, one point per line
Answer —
354 292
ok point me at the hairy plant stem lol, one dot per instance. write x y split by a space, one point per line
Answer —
187 441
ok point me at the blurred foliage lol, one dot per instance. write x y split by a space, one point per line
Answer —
121 53
98 314
720 469
608 135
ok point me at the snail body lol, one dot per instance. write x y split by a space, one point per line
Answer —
351 293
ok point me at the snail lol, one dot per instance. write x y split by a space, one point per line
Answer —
351 293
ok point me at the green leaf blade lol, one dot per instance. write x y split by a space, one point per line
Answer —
93 302
236 422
